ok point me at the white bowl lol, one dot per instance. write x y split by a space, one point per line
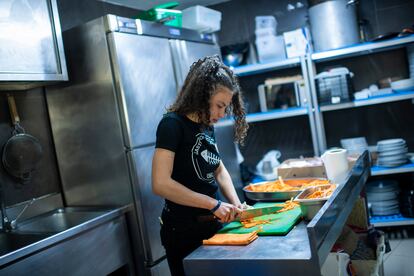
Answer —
403 85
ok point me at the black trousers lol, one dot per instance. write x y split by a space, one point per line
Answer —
182 235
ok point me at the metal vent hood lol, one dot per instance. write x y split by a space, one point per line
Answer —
31 47
146 5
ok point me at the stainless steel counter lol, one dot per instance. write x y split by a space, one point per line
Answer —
303 249
26 241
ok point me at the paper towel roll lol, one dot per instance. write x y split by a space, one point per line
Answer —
336 165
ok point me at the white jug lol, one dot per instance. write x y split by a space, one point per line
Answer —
336 164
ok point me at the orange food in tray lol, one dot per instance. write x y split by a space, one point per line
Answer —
283 185
321 192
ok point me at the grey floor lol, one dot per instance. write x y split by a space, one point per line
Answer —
400 261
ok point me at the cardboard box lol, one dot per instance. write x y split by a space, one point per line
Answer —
359 215
297 42
371 262
306 167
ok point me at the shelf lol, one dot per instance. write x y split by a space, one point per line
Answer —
377 170
394 220
363 49
270 115
257 68
396 96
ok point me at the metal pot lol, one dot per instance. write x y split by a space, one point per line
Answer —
333 24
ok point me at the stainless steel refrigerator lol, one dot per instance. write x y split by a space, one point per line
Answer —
123 74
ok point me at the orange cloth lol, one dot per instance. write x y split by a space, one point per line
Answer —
231 239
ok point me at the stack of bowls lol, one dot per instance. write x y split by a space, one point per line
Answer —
383 197
392 152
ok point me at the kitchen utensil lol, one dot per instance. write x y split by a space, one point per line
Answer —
235 55
259 211
277 224
385 36
22 152
336 164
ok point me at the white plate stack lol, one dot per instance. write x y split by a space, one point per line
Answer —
410 55
383 197
392 152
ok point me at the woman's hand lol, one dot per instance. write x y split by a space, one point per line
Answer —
227 212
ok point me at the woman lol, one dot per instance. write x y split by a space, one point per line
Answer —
186 166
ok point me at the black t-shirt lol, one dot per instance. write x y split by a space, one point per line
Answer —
196 158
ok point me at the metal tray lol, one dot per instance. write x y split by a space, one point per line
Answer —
274 196
310 207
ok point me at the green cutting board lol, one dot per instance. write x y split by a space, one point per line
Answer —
280 224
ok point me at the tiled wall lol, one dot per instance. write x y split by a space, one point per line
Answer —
388 15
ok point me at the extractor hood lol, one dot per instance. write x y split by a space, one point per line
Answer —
145 4
31 47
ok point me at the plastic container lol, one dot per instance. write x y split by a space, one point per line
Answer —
310 207
163 14
267 21
270 48
334 86
265 32
201 19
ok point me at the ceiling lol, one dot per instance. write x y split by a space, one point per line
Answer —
147 4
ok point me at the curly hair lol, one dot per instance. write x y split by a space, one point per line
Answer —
204 77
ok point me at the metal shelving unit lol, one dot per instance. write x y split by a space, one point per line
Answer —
377 170
355 50
258 68
270 115
315 111
393 220
252 69
363 49
396 96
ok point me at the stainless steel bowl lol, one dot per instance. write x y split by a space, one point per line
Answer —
233 59
270 196
274 196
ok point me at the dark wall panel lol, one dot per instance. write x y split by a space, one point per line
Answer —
34 118
76 12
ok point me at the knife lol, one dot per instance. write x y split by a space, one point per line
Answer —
260 211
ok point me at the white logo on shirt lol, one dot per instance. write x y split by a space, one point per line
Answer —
203 159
